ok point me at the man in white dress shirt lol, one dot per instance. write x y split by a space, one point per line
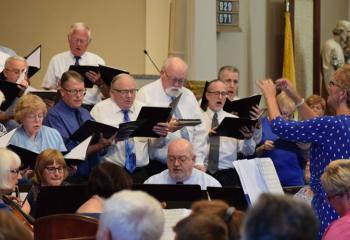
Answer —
161 93
79 38
220 160
122 107
181 161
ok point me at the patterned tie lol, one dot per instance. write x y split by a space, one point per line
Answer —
130 157
213 161
183 131
77 58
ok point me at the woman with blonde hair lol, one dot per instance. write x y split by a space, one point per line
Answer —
32 135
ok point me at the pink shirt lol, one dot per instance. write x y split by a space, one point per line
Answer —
339 229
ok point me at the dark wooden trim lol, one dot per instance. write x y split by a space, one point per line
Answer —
317 47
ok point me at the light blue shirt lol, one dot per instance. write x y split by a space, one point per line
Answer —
46 138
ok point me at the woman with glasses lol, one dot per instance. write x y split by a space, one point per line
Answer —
329 135
32 135
286 156
50 170
9 174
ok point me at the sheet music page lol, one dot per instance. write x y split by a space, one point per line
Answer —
172 216
268 172
79 152
34 58
4 140
251 178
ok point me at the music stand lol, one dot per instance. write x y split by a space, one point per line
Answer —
234 196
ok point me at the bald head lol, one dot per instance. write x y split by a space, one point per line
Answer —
181 160
123 90
173 73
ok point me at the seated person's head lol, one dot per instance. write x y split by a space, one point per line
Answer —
131 215
123 90
216 95
232 217
72 89
180 160
30 111
50 168
201 227
336 182
15 66
286 106
11 228
280 217
108 178
317 104
9 170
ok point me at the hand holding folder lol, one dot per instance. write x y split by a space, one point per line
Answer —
235 127
242 107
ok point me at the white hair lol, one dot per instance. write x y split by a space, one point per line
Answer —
79 26
7 158
131 215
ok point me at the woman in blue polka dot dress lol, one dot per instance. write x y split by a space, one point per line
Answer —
329 135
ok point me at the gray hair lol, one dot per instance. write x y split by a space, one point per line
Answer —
79 26
227 68
280 217
131 215
7 158
13 58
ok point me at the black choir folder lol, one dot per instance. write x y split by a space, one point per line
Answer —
92 128
234 127
11 91
242 107
34 61
107 73
83 69
74 157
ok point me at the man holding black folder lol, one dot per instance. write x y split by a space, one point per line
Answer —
79 38
161 93
223 150
121 107
15 72
68 115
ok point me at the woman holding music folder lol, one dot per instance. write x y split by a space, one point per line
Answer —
50 170
32 135
329 135
286 156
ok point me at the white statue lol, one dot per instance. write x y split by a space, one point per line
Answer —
334 48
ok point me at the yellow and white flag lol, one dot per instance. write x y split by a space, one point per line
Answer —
288 54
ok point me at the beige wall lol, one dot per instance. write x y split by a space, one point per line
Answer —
118 29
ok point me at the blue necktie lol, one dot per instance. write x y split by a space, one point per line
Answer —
130 157
183 131
77 58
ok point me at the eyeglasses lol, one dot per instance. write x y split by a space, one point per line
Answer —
74 92
33 116
15 171
16 71
180 81
217 93
331 197
182 159
125 92
54 169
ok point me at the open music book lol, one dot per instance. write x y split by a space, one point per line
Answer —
258 176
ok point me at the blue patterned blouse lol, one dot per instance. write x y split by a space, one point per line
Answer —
330 138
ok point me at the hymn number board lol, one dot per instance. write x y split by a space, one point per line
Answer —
227 15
